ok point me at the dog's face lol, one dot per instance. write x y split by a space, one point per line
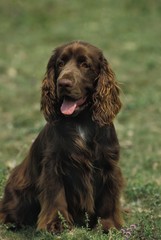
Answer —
78 76
76 69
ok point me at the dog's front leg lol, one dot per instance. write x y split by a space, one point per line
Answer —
54 215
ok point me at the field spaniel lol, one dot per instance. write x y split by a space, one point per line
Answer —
72 167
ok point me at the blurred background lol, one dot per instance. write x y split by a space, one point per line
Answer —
129 33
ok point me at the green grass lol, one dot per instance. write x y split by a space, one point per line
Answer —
129 34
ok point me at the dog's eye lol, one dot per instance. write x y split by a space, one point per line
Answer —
85 65
61 64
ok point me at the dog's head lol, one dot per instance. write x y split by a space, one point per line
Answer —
78 76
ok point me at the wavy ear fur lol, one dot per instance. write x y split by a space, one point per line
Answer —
106 102
48 95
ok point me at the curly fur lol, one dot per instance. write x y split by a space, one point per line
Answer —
106 102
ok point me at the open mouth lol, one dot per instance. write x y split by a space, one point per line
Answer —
69 105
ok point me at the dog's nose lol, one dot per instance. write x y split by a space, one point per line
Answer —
65 83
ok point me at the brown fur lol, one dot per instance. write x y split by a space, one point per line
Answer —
72 166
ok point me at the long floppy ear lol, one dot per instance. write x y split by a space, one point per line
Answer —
48 94
106 101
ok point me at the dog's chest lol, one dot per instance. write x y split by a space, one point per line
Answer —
85 133
82 132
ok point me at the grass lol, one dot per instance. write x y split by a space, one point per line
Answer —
128 32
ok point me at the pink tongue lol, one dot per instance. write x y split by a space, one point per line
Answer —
68 107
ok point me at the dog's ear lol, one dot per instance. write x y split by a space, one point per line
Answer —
106 101
48 93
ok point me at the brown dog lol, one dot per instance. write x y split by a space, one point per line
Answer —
72 167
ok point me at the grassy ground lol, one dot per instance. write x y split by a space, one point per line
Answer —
129 34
